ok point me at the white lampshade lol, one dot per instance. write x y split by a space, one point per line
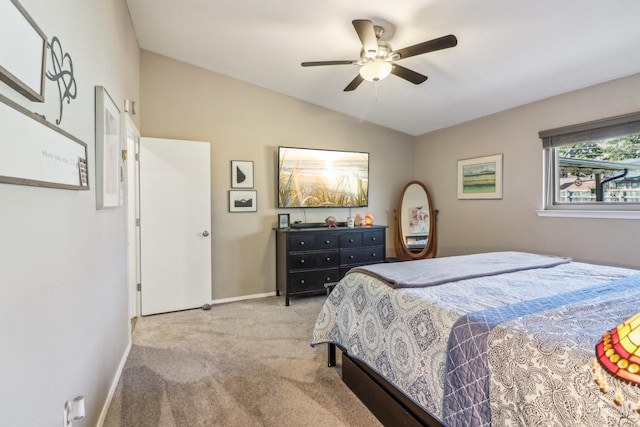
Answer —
376 70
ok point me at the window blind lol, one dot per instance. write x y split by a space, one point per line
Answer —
597 130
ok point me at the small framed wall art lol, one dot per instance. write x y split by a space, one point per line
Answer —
23 55
283 221
241 174
243 201
107 150
480 178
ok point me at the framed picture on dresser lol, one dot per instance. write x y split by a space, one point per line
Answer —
283 221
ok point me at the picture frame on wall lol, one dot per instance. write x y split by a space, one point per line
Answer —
480 178
38 153
107 150
23 63
241 174
243 201
283 221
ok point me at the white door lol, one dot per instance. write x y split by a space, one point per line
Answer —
131 174
175 222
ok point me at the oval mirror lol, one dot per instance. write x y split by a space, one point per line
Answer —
415 223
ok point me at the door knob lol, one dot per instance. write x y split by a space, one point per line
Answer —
205 233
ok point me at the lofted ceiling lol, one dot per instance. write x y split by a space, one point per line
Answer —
509 53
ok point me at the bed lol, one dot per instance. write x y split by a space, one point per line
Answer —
503 338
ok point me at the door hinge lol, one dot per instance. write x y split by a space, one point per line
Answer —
137 222
137 157
139 287
124 155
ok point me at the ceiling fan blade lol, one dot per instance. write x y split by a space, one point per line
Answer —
367 35
354 83
408 75
316 63
440 43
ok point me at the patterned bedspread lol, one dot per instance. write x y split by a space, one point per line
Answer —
468 377
535 378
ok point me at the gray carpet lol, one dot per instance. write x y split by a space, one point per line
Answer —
245 363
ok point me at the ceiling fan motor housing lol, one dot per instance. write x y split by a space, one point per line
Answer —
384 49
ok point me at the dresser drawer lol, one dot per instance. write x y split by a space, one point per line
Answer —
373 238
312 280
351 240
308 260
302 242
363 255
328 241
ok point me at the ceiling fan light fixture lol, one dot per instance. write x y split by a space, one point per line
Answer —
375 70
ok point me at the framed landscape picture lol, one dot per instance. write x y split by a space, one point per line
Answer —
480 178
243 201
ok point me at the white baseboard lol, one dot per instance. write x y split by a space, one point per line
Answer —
114 385
242 298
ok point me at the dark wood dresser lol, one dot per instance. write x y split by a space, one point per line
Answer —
307 258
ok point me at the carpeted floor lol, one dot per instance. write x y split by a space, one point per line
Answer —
245 363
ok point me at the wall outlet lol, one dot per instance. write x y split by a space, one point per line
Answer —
73 410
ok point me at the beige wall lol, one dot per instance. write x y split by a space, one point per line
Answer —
466 226
245 122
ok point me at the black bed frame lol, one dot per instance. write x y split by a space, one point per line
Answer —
388 404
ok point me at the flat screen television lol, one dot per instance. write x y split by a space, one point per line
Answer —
316 178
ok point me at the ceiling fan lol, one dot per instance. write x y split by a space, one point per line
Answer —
377 59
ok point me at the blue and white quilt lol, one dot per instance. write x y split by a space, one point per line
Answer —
522 365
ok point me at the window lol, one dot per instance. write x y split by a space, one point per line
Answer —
593 166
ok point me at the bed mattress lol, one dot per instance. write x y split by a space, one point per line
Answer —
525 338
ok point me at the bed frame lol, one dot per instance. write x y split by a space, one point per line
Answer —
387 403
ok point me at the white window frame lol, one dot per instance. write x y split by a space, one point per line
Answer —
596 130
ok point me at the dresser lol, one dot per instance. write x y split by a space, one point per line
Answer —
308 258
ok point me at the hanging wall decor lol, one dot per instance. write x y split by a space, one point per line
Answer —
38 153
107 150
62 74
480 178
243 201
22 51
241 174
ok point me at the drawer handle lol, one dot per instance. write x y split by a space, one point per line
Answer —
373 239
350 240
302 282
373 254
301 243
327 241
328 279
350 256
301 261
328 259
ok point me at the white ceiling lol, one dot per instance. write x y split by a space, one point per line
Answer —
509 53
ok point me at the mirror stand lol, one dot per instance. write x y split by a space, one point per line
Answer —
415 236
